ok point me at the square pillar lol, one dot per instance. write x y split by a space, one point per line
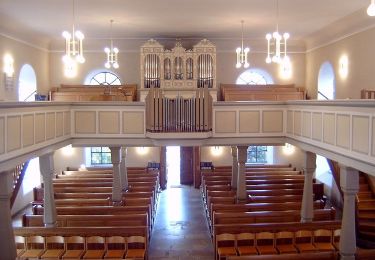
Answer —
124 170
307 209
241 178
7 245
234 168
49 207
349 182
116 184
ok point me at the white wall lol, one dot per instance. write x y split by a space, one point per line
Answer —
76 157
22 54
359 49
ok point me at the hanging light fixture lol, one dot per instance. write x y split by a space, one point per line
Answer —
275 42
371 8
242 53
73 46
111 54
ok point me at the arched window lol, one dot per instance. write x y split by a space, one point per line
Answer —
326 82
254 77
27 84
103 78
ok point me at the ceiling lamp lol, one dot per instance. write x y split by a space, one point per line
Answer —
371 8
111 54
275 42
73 45
242 53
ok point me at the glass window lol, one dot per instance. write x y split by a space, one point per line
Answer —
254 77
100 155
326 82
105 78
257 154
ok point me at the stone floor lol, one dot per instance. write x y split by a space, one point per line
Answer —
180 231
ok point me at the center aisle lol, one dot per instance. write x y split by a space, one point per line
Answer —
180 230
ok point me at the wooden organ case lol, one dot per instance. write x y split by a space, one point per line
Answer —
178 72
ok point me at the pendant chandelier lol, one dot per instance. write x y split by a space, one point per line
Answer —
73 45
111 53
242 53
371 8
276 42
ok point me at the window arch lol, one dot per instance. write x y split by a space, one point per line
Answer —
254 77
326 82
102 78
26 83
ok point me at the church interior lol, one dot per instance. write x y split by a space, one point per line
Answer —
187 129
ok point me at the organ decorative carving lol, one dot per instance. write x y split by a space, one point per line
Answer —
178 68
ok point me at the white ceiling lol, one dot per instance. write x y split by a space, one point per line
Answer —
143 19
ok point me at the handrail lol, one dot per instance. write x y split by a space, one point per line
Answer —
336 174
18 175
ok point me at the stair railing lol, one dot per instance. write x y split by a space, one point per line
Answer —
18 175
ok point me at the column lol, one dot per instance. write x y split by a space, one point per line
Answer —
116 185
124 170
234 168
307 209
241 179
7 245
349 182
49 207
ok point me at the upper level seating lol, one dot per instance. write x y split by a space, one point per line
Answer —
233 92
94 93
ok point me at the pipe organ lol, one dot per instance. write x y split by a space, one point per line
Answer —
179 114
178 68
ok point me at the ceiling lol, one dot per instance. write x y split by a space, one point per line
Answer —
143 19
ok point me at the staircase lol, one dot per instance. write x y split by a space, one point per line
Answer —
18 174
365 213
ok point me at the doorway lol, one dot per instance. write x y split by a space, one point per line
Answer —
173 166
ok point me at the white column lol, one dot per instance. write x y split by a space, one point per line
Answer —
307 209
124 170
49 207
241 179
234 168
7 245
349 181
116 185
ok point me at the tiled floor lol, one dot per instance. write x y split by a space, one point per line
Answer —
180 230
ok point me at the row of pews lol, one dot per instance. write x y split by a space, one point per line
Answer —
268 224
88 224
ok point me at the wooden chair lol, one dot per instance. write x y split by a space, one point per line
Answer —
304 241
116 247
226 245
323 240
265 243
95 247
136 247
246 244
336 239
55 248
35 246
74 247
20 245
285 242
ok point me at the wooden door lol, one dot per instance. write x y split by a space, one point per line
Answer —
163 163
186 165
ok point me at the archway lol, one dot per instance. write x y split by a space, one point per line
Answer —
254 77
326 82
26 83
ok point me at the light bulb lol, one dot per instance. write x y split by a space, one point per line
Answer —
80 59
286 36
246 65
238 50
371 8
107 65
246 50
66 35
106 50
268 59
79 35
115 50
238 65
115 65
268 36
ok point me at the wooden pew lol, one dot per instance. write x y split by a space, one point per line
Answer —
305 256
269 216
88 220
